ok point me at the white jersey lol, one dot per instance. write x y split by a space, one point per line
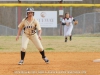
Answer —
69 20
68 27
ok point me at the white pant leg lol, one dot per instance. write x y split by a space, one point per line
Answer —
65 30
25 41
70 28
34 38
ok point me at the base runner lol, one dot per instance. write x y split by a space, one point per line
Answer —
30 24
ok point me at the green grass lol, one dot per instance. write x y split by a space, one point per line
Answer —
1 48
49 49
54 44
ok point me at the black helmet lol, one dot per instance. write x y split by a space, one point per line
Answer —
30 10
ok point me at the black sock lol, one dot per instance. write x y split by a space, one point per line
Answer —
66 38
71 37
22 55
43 54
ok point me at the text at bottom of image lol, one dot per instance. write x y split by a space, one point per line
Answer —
50 72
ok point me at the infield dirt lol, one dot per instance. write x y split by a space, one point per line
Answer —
61 63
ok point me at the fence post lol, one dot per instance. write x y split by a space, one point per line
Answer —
6 30
94 22
83 23
71 10
16 19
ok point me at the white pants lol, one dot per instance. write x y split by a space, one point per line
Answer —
34 38
68 30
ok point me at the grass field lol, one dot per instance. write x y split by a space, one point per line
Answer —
72 58
54 43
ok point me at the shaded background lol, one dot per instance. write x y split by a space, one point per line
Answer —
88 17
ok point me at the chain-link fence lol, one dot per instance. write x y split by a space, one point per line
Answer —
88 23
6 31
10 17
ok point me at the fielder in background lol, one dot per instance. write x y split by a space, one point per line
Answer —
68 26
29 25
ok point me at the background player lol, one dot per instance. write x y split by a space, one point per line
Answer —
30 24
68 27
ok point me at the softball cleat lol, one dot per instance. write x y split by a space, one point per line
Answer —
20 62
46 60
65 39
70 38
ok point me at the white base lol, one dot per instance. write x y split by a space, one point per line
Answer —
96 60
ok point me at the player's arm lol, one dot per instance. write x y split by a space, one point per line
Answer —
39 34
75 22
73 19
63 22
39 29
18 34
20 27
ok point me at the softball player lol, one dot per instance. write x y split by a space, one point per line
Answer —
68 27
30 24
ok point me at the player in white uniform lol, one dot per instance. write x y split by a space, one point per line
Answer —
68 26
29 25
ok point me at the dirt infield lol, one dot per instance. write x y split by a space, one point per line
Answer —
61 63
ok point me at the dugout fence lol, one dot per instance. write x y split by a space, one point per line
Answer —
88 16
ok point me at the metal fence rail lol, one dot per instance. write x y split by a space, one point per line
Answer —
6 31
88 23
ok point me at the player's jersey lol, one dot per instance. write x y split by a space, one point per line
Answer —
29 28
68 20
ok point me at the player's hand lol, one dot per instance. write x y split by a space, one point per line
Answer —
17 38
39 37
